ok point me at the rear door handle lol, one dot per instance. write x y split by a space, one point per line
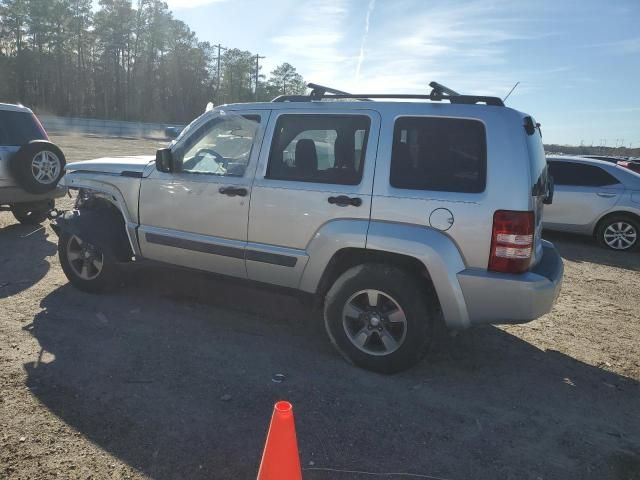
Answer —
233 191
344 201
606 195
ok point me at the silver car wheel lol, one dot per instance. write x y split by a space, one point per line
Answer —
374 322
620 235
84 259
46 167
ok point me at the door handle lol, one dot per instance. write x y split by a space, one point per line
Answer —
606 195
233 191
343 201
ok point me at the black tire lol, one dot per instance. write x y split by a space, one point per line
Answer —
105 280
25 172
403 290
627 225
32 213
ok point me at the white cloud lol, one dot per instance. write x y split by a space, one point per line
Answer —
180 4
621 47
314 40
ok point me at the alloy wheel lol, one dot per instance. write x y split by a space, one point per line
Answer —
620 235
85 259
46 167
374 322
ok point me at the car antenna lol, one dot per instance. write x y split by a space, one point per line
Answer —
511 91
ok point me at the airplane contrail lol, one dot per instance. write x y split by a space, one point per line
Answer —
372 5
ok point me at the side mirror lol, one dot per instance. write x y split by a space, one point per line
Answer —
164 160
548 199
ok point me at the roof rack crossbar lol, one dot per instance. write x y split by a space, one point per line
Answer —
319 91
439 89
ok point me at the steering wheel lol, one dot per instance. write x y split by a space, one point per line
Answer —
204 151
219 159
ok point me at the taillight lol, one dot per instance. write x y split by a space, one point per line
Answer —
512 241
40 127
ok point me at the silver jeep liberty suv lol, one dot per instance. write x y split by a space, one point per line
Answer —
395 214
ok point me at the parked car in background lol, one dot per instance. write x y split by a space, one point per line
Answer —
391 214
595 197
30 166
630 163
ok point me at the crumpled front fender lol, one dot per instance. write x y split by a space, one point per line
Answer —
102 227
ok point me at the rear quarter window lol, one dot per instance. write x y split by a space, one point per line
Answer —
439 154
18 128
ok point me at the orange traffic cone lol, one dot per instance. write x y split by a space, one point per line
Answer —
280 459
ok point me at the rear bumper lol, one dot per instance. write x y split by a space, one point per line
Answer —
13 195
494 298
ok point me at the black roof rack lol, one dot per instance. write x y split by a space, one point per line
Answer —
438 93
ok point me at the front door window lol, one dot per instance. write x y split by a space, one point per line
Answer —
221 147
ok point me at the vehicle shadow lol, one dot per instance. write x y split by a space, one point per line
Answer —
23 249
579 248
178 388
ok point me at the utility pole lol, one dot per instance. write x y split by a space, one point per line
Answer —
258 58
219 47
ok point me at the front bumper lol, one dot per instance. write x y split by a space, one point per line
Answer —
13 195
494 298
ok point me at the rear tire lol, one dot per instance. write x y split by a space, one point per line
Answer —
87 267
32 213
378 318
620 233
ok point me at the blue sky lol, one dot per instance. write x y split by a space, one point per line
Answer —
578 62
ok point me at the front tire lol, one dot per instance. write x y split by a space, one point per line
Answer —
32 213
619 232
378 318
87 267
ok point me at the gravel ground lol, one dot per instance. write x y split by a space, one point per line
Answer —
171 377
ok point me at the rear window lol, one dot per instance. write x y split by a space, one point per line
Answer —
439 154
18 128
537 163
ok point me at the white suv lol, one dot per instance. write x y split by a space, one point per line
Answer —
30 166
395 215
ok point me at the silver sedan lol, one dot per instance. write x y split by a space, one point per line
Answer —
593 197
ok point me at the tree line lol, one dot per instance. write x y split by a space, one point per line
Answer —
124 60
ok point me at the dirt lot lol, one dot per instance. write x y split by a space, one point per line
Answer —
171 377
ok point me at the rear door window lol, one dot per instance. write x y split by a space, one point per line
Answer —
18 128
319 148
439 154
580 175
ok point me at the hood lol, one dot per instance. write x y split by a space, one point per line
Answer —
112 165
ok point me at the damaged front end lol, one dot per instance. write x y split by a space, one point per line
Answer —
97 221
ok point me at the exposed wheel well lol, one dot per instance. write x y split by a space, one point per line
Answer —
117 237
346 258
632 216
